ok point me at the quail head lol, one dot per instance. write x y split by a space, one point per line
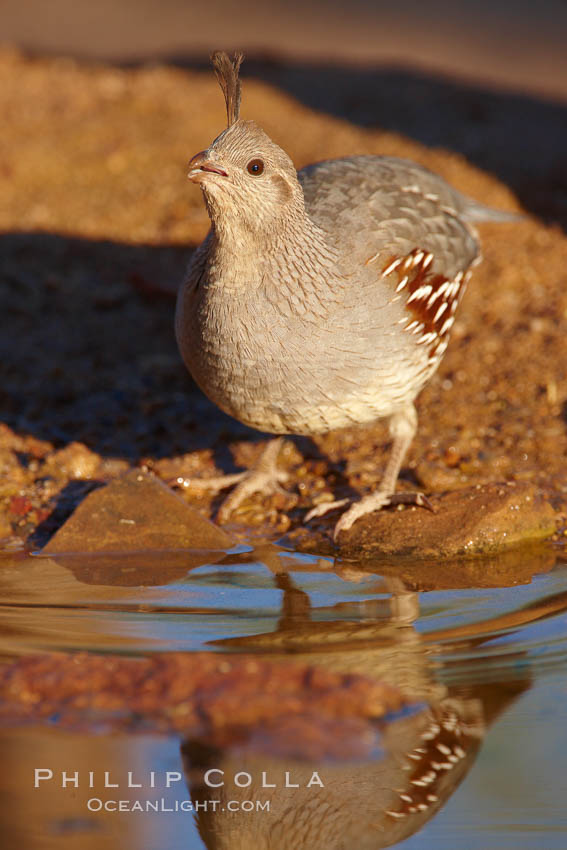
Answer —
321 298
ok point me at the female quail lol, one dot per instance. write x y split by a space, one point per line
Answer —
323 298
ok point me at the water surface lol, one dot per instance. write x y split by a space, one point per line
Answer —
485 645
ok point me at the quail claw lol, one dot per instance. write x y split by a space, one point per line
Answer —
375 502
218 482
253 481
371 503
324 508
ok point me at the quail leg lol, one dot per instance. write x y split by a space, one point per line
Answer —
263 477
403 426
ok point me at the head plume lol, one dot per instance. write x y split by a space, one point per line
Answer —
226 71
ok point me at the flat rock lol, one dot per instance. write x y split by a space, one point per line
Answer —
477 520
135 512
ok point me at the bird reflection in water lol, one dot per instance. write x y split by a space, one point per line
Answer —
424 755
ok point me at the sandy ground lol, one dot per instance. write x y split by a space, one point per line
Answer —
97 222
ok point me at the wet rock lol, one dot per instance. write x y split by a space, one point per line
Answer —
500 569
478 520
225 699
133 513
134 569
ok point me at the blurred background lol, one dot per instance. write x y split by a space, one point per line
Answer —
512 43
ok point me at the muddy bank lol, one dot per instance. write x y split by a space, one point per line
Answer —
97 224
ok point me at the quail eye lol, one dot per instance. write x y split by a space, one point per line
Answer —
255 167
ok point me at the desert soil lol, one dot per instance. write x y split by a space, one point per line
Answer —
98 221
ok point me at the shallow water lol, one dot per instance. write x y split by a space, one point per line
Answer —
491 655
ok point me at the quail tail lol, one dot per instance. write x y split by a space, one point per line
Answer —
474 211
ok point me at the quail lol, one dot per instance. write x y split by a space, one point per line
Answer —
322 298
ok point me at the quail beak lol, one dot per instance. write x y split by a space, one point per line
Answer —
200 167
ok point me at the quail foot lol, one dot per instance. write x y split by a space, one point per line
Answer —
322 298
